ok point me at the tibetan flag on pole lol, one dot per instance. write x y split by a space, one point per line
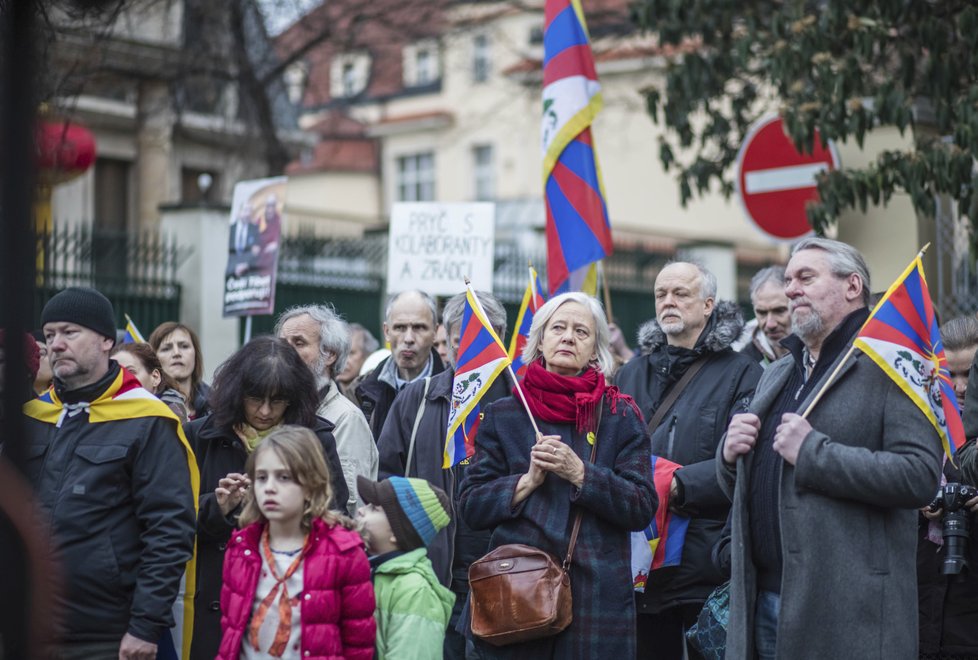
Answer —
578 229
902 337
661 543
532 301
481 358
132 335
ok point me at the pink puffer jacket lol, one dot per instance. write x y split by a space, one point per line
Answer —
337 598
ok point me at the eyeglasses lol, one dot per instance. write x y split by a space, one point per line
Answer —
259 401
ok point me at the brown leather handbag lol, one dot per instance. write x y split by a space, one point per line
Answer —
519 593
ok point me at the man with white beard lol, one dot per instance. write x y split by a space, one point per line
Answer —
690 336
323 342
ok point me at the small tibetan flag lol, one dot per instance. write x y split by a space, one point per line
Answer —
902 337
532 301
132 336
481 358
661 543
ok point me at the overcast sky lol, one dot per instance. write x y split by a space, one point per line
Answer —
280 14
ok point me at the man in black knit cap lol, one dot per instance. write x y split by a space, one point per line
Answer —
112 472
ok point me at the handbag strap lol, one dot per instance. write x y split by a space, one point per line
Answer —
417 423
674 393
577 518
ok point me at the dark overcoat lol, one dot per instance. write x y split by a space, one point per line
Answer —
219 451
688 435
848 520
617 497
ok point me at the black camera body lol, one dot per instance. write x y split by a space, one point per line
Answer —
955 525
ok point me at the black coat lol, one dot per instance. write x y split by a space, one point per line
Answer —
219 451
118 498
688 435
375 397
947 605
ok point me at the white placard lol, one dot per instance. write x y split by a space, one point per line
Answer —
434 246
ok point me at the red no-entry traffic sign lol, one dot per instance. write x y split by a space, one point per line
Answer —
775 180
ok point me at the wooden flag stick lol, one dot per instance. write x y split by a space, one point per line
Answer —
519 389
607 292
828 383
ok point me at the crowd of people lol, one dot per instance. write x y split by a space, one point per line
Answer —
297 506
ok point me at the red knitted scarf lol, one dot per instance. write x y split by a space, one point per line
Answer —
563 399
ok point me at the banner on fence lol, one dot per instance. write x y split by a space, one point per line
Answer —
434 246
254 233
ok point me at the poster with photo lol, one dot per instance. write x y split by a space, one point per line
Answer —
254 232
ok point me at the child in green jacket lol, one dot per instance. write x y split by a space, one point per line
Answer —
400 519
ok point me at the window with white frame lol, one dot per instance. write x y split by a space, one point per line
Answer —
483 172
416 177
349 74
480 58
421 64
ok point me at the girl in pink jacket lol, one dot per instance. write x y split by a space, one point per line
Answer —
296 582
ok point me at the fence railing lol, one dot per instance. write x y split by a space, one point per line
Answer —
136 271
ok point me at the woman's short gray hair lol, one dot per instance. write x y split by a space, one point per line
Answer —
334 335
542 318
844 260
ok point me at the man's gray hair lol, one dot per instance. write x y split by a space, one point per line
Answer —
542 318
495 312
844 260
708 281
960 333
370 343
334 337
773 274
429 301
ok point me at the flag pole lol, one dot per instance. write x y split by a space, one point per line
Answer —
828 383
519 390
607 292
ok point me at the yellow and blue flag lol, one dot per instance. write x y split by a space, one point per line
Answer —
902 337
532 301
132 336
578 229
481 358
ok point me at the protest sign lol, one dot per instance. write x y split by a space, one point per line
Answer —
434 246
254 231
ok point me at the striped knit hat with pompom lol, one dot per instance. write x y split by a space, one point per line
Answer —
415 509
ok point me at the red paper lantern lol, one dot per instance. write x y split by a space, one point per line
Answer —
65 150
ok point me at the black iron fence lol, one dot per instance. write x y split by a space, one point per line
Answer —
136 271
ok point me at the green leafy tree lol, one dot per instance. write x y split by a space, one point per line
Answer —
838 66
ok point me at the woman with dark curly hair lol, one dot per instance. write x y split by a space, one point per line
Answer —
261 387
178 348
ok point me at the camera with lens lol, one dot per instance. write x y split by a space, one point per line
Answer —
955 525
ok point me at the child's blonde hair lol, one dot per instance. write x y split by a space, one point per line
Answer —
300 451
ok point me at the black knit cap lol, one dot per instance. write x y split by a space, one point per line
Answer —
83 306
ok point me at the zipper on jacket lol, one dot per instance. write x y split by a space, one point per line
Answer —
672 437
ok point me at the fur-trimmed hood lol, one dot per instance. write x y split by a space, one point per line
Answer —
722 329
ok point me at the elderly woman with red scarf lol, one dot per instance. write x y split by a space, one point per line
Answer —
527 488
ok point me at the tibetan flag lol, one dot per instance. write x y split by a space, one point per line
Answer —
532 301
578 229
481 358
661 543
132 336
902 337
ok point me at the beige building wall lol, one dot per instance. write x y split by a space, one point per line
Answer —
338 204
